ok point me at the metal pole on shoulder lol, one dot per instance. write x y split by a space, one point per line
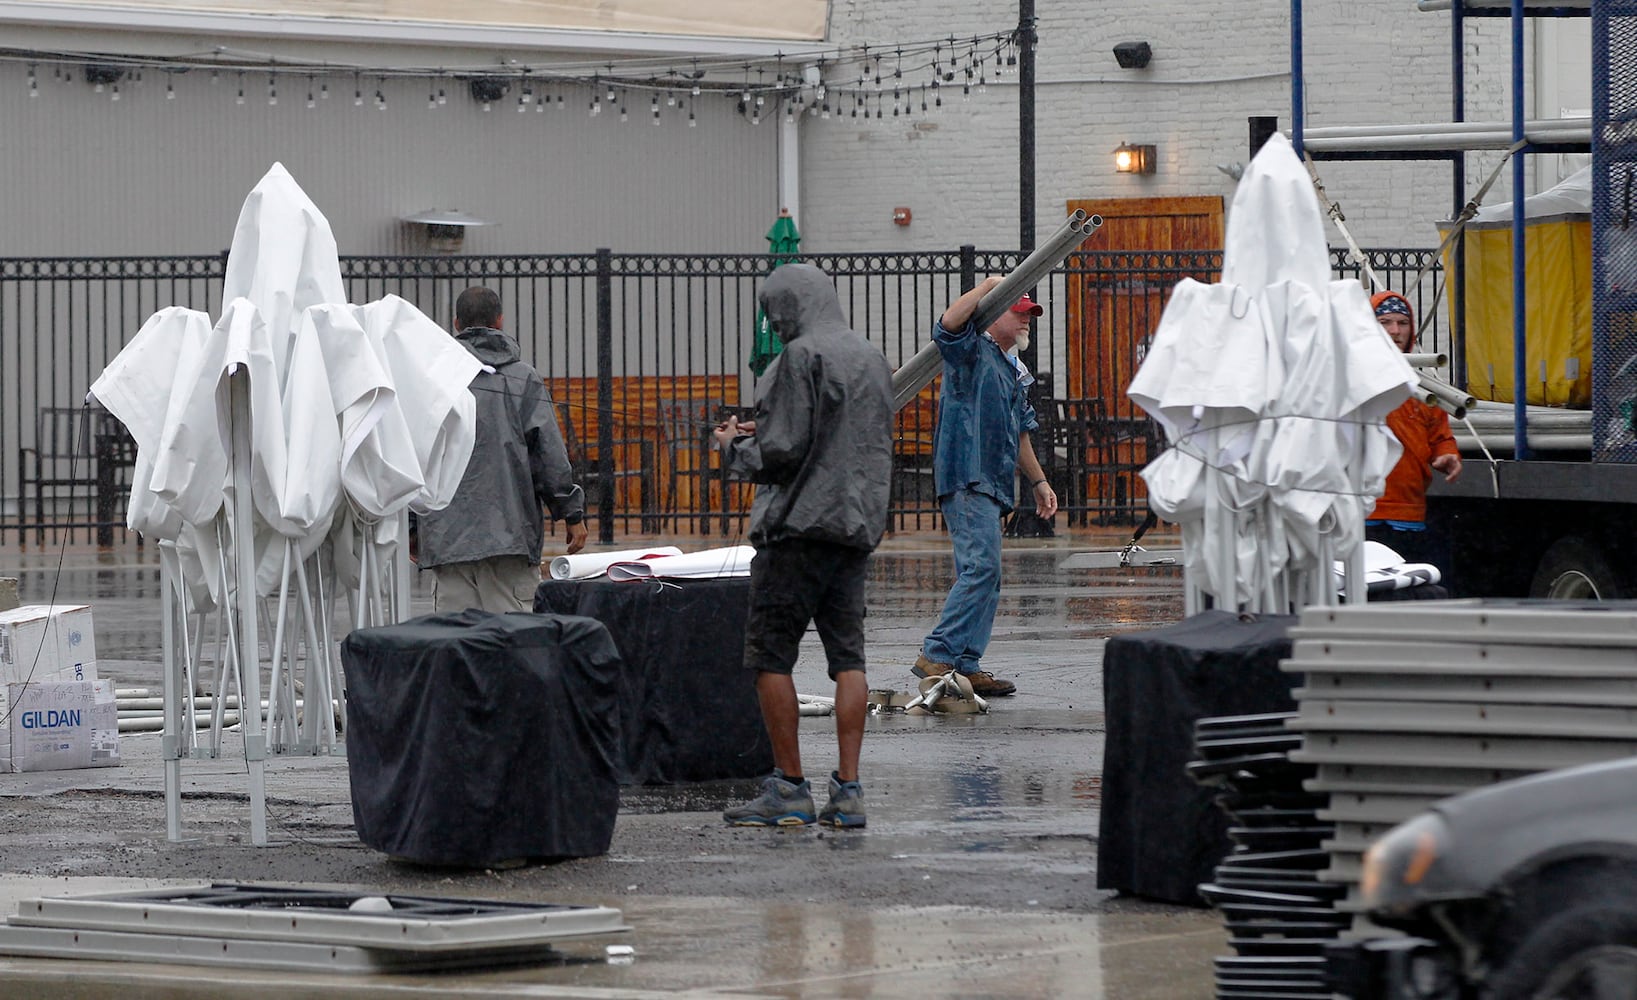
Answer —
919 371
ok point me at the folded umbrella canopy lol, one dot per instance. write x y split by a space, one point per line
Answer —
297 425
1273 387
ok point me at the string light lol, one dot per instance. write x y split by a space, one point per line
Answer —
839 82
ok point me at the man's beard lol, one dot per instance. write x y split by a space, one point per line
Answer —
1022 342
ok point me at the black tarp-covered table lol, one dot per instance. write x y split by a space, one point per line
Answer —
687 706
1161 834
474 737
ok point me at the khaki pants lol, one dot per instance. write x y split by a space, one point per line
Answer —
500 584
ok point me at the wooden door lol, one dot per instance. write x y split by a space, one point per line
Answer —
1116 292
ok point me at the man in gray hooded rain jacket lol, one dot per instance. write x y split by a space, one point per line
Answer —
484 549
820 450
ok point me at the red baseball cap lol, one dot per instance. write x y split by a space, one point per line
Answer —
1028 305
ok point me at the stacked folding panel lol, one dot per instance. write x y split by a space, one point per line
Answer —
1406 704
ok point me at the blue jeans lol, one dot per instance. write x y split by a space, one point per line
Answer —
968 617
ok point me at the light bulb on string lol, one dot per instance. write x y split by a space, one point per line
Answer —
115 95
522 105
33 84
540 105
240 98
431 99
559 99
357 93
324 91
670 98
443 98
380 99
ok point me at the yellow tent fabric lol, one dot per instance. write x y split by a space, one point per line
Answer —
1558 299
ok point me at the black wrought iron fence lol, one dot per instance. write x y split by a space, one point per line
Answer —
643 353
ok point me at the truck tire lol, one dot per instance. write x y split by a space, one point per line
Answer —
1588 949
1574 569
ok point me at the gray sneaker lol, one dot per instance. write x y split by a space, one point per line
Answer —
782 803
845 810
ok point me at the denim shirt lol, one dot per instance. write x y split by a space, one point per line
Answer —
982 408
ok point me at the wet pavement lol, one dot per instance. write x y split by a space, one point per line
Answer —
975 877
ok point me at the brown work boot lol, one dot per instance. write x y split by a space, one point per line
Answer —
929 668
987 685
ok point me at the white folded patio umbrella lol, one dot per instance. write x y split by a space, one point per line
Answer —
1273 387
293 414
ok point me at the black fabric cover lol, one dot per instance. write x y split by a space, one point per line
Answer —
1161 834
475 737
687 705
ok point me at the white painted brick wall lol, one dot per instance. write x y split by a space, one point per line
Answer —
1215 63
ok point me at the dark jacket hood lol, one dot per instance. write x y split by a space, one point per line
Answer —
492 347
800 299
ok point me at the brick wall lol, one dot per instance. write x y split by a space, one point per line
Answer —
1215 63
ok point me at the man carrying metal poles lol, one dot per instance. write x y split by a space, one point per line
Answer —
991 439
984 423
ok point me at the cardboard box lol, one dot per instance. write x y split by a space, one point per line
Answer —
47 643
64 724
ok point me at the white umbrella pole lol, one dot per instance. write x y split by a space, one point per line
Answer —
326 618
402 574
244 552
227 644
175 692
276 722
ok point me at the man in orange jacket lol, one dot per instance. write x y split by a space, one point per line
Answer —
1399 520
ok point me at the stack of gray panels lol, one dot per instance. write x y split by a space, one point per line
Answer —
1404 704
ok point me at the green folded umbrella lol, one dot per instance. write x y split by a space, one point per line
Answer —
784 243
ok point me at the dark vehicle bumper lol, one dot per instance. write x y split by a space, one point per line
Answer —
1393 969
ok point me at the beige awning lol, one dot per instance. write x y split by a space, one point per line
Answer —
794 20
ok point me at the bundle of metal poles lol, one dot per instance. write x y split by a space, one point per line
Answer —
919 371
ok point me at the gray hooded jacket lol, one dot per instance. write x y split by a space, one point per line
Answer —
822 450
518 463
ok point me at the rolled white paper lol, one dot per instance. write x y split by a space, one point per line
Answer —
584 565
731 561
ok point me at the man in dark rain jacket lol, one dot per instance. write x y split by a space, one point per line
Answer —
820 448
484 549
